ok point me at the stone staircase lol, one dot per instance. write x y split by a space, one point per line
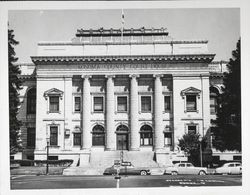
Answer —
99 161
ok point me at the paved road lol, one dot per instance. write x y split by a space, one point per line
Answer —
62 182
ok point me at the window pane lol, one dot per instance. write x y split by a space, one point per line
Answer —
146 104
98 104
98 136
122 104
77 139
167 103
192 129
77 103
53 136
31 137
191 102
54 104
213 105
31 101
168 139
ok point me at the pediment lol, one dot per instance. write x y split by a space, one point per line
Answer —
190 90
53 92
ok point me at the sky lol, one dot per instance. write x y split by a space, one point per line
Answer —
220 26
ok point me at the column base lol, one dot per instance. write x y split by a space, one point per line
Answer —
84 157
134 149
110 149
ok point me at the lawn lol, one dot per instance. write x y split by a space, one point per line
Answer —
36 170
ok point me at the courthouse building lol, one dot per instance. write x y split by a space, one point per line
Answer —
105 91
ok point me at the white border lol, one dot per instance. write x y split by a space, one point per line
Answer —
244 5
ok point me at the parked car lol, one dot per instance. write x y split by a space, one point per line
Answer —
127 169
229 168
185 168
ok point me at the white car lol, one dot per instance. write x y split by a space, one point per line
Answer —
229 168
185 168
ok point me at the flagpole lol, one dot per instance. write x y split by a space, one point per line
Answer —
122 18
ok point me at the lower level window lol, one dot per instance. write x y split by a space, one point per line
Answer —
98 136
77 139
53 135
146 135
31 137
168 139
52 157
191 129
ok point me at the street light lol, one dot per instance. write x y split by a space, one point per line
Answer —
200 140
47 164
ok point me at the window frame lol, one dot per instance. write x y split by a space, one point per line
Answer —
192 125
31 101
50 108
103 104
31 143
117 104
165 109
146 134
195 101
79 143
151 105
98 137
50 135
80 102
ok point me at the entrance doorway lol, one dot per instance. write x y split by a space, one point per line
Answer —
122 137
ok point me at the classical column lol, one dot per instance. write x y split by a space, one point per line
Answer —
86 113
158 110
67 108
135 138
110 104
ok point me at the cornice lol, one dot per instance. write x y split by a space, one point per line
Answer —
56 43
27 77
197 58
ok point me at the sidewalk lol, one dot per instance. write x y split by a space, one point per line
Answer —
37 171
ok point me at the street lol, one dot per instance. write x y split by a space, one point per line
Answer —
69 182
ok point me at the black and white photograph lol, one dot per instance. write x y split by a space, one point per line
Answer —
111 97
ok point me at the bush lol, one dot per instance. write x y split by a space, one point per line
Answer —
40 163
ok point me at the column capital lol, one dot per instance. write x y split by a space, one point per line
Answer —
158 75
86 76
134 76
109 76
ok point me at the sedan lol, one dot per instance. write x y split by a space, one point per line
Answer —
185 168
229 168
126 169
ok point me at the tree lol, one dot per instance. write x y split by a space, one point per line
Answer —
190 144
227 133
14 86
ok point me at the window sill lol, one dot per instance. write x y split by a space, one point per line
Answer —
96 112
56 112
54 146
192 111
122 112
145 112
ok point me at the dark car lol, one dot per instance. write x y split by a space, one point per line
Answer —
126 169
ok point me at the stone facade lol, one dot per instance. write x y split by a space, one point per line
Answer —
143 89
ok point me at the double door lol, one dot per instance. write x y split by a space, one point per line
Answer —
122 141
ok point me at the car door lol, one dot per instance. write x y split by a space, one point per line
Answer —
231 168
182 168
238 168
190 169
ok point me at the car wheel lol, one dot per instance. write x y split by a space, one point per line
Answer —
174 173
202 173
143 172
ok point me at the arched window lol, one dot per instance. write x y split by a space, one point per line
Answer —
122 129
98 136
146 137
213 100
31 101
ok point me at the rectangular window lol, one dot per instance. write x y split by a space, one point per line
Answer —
53 135
54 104
213 105
145 103
53 157
122 104
191 129
191 103
77 139
31 105
167 103
98 104
168 138
77 104
31 137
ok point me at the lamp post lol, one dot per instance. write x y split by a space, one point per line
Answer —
47 164
200 140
